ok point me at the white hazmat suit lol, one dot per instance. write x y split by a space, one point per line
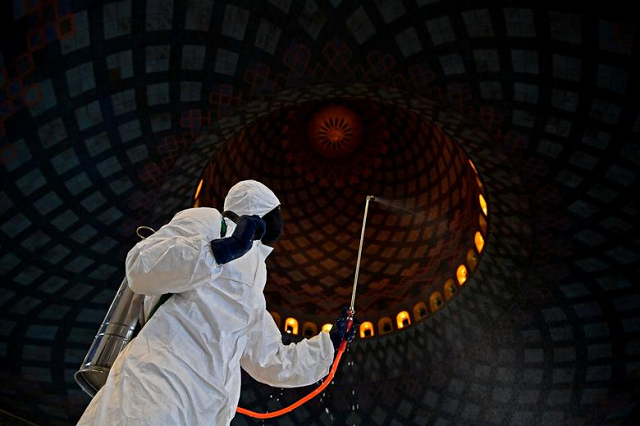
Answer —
183 368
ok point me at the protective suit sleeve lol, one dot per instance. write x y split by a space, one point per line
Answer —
269 361
164 263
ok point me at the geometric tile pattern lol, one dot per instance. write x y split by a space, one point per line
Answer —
101 104
407 256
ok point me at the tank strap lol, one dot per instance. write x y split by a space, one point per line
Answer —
223 231
163 299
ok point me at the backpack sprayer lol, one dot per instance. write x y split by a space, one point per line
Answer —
122 321
117 329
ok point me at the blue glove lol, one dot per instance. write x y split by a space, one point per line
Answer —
248 229
339 329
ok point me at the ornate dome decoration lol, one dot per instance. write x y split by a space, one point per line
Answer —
335 143
335 131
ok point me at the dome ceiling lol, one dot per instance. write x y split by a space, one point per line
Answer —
401 157
110 111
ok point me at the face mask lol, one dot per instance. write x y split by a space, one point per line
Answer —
274 223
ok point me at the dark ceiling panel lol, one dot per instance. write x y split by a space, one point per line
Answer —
110 115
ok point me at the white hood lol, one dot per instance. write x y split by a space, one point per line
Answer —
250 197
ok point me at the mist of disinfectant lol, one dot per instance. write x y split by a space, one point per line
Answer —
398 205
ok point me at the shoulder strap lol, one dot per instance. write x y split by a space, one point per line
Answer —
163 299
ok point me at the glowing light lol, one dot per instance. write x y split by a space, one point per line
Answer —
291 326
196 203
461 273
450 288
473 166
472 259
483 205
483 224
327 327
420 311
198 189
435 301
403 319
479 240
366 329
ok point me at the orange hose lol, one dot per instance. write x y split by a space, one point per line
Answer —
298 403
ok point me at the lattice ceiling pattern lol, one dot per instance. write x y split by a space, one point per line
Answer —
110 112
407 256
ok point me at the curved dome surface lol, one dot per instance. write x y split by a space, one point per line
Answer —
415 238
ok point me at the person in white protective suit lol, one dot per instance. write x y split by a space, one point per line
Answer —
183 368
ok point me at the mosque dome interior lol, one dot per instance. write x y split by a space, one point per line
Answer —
501 140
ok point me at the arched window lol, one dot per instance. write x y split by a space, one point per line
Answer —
276 318
420 311
461 274
435 301
483 204
309 329
327 327
479 240
197 194
473 166
472 259
483 224
291 326
403 320
385 326
366 329
450 288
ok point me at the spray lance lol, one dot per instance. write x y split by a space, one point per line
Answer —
343 346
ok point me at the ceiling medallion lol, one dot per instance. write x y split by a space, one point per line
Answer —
335 131
336 143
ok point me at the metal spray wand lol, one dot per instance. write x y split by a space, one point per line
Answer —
352 310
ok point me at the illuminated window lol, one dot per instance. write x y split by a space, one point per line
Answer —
479 240
366 329
483 224
479 182
472 259
276 318
473 166
461 273
483 204
385 325
435 301
309 329
196 203
450 288
403 320
198 189
291 326
420 311
327 327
